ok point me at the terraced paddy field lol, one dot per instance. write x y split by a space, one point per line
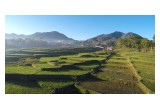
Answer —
145 66
84 72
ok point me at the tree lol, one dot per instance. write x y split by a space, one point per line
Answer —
144 43
154 38
135 42
120 43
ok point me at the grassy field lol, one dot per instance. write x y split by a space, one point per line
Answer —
39 87
112 87
116 68
121 76
144 63
79 70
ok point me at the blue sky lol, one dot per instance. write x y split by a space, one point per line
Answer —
81 27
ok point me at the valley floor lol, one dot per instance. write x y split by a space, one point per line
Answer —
123 71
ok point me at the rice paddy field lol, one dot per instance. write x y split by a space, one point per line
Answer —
79 71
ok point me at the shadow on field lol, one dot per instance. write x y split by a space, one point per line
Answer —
90 62
72 66
62 68
25 83
70 89
33 77
88 77
31 80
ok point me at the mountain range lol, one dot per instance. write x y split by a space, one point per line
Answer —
54 35
55 38
113 36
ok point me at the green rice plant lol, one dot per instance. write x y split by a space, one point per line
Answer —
44 65
146 71
112 87
144 64
88 67
47 59
85 91
114 74
149 83
43 87
64 72
20 69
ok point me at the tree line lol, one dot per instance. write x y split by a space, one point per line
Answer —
136 42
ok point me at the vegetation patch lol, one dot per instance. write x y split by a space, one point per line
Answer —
79 70
112 87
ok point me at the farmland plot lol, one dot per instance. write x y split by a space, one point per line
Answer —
119 72
123 74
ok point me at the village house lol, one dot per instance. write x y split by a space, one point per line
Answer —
105 47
